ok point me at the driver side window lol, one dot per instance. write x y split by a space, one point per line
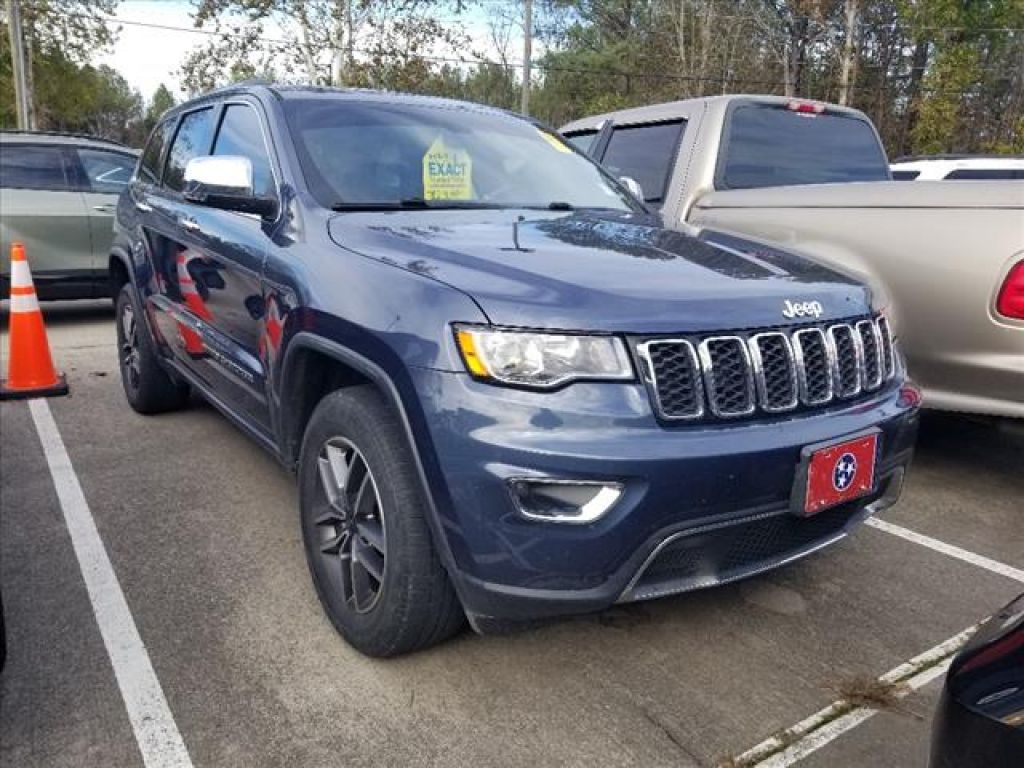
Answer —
191 140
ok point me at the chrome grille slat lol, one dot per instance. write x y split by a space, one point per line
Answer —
735 375
888 356
849 357
815 366
728 376
774 371
871 343
674 374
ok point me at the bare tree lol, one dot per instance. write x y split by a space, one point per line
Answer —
848 60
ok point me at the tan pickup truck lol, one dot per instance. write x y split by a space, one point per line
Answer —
814 177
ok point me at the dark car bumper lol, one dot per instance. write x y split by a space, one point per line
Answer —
701 505
980 718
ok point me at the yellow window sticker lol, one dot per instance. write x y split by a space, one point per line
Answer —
555 142
447 173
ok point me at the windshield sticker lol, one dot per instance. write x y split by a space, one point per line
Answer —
555 142
447 173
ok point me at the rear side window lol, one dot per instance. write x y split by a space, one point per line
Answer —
991 174
107 172
33 167
582 141
772 146
191 140
905 175
149 167
240 134
646 153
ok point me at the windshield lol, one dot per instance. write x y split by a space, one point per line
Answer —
772 146
361 152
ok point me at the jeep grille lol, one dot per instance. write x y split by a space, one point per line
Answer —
734 375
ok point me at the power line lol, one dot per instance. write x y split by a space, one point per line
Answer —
725 81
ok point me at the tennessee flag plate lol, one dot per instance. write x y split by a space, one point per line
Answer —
834 473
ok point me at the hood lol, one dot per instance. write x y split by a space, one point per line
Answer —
600 272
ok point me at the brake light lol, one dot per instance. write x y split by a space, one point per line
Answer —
1010 301
805 107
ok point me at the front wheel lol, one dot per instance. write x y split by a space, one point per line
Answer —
148 387
365 531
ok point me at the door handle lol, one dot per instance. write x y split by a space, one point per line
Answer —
105 208
189 223
144 207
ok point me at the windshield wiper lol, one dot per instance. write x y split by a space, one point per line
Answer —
411 203
378 205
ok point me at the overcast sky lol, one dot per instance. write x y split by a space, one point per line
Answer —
147 57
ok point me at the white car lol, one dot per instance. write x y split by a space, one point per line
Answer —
952 167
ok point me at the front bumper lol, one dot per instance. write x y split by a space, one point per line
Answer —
701 504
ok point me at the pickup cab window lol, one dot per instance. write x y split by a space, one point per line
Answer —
645 153
768 145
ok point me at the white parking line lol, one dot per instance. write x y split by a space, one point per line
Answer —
811 734
948 549
155 730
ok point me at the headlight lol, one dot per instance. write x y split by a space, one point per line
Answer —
542 360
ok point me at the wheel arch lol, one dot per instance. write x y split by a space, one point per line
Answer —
119 271
312 368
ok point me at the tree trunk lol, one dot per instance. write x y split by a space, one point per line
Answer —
342 40
681 41
918 62
305 46
705 45
33 114
848 63
799 50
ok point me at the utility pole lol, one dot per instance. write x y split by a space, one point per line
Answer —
21 95
527 52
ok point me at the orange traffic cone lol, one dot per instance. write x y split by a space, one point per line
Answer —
30 367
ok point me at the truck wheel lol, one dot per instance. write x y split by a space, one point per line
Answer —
364 525
148 387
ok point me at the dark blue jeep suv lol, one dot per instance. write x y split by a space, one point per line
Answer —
507 392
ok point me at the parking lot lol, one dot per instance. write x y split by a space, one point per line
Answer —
201 531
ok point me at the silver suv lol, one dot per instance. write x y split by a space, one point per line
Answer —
58 193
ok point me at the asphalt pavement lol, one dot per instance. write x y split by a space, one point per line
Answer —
201 530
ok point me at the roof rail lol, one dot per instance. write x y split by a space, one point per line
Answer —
63 134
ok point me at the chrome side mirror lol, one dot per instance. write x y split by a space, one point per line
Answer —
633 186
224 172
225 182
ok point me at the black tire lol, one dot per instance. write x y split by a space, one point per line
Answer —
148 387
414 605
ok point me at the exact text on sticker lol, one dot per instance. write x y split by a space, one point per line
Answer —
447 173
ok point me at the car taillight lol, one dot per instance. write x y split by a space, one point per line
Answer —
1010 301
805 107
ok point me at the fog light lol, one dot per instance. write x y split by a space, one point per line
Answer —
563 501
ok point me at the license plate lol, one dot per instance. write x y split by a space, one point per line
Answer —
837 473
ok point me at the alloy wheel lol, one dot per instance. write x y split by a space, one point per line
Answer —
130 346
352 531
